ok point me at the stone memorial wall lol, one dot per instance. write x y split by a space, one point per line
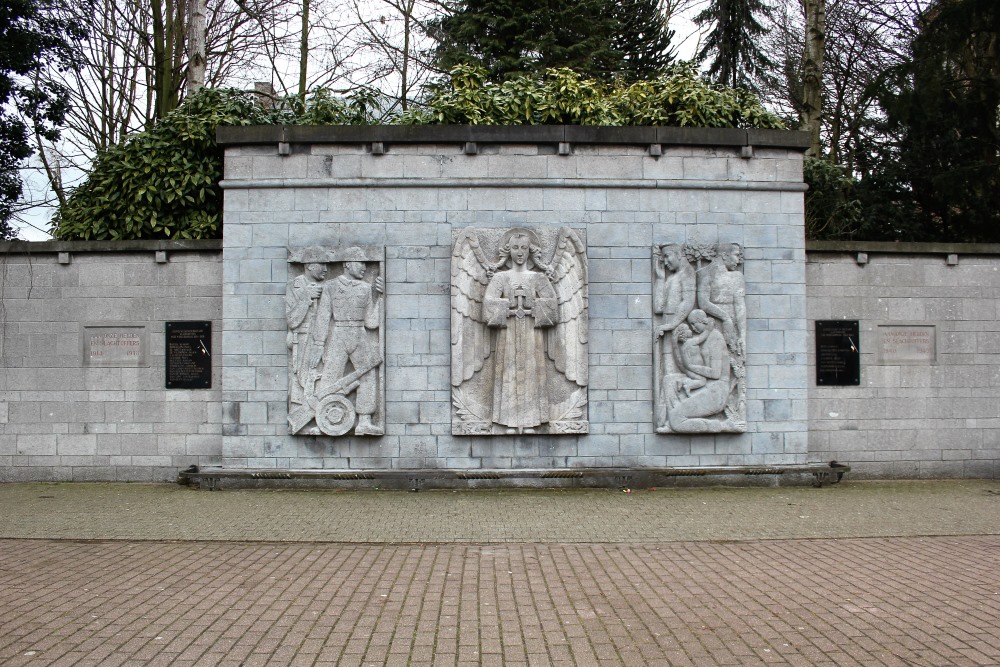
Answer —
927 403
85 387
530 318
408 300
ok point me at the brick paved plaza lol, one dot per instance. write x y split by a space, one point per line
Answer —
924 597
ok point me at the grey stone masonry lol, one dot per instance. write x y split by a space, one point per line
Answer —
68 413
82 377
409 189
921 411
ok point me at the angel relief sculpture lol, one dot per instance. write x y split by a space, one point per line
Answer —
519 332
699 298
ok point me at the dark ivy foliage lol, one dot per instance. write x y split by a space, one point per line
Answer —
32 33
624 40
833 209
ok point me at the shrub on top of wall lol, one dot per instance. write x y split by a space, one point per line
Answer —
164 183
678 97
159 184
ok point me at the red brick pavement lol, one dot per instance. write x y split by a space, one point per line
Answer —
897 601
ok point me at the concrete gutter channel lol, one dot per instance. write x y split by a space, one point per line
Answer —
214 478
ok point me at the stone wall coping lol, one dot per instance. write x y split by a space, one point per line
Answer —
889 247
583 183
509 134
35 247
215 245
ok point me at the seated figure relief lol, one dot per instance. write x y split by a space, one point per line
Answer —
699 305
519 332
335 341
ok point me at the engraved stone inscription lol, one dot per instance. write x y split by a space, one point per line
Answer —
188 351
838 357
519 332
113 345
335 311
907 343
699 349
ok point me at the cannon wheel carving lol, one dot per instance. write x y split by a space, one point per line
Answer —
329 318
335 415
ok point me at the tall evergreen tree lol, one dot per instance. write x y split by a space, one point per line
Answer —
641 37
606 39
940 178
733 43
32 32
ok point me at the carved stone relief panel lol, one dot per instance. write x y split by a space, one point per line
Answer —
699 349
335 310
519 331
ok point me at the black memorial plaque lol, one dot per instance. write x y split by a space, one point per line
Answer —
838 357
189 355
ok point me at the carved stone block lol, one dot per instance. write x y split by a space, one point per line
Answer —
699 348
335 311
519 331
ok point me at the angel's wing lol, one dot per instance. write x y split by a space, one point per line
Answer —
470 343
568 339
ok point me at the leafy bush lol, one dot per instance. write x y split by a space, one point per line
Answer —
679 97
161 183
164 182
320 107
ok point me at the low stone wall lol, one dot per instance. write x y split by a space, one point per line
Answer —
60 420
82 377
921 410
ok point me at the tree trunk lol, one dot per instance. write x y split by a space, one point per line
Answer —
159 60
404 84
304 49
196 47
168 55
812 67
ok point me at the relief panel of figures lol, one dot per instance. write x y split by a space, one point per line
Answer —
519 332
518 336
699 349
335 311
